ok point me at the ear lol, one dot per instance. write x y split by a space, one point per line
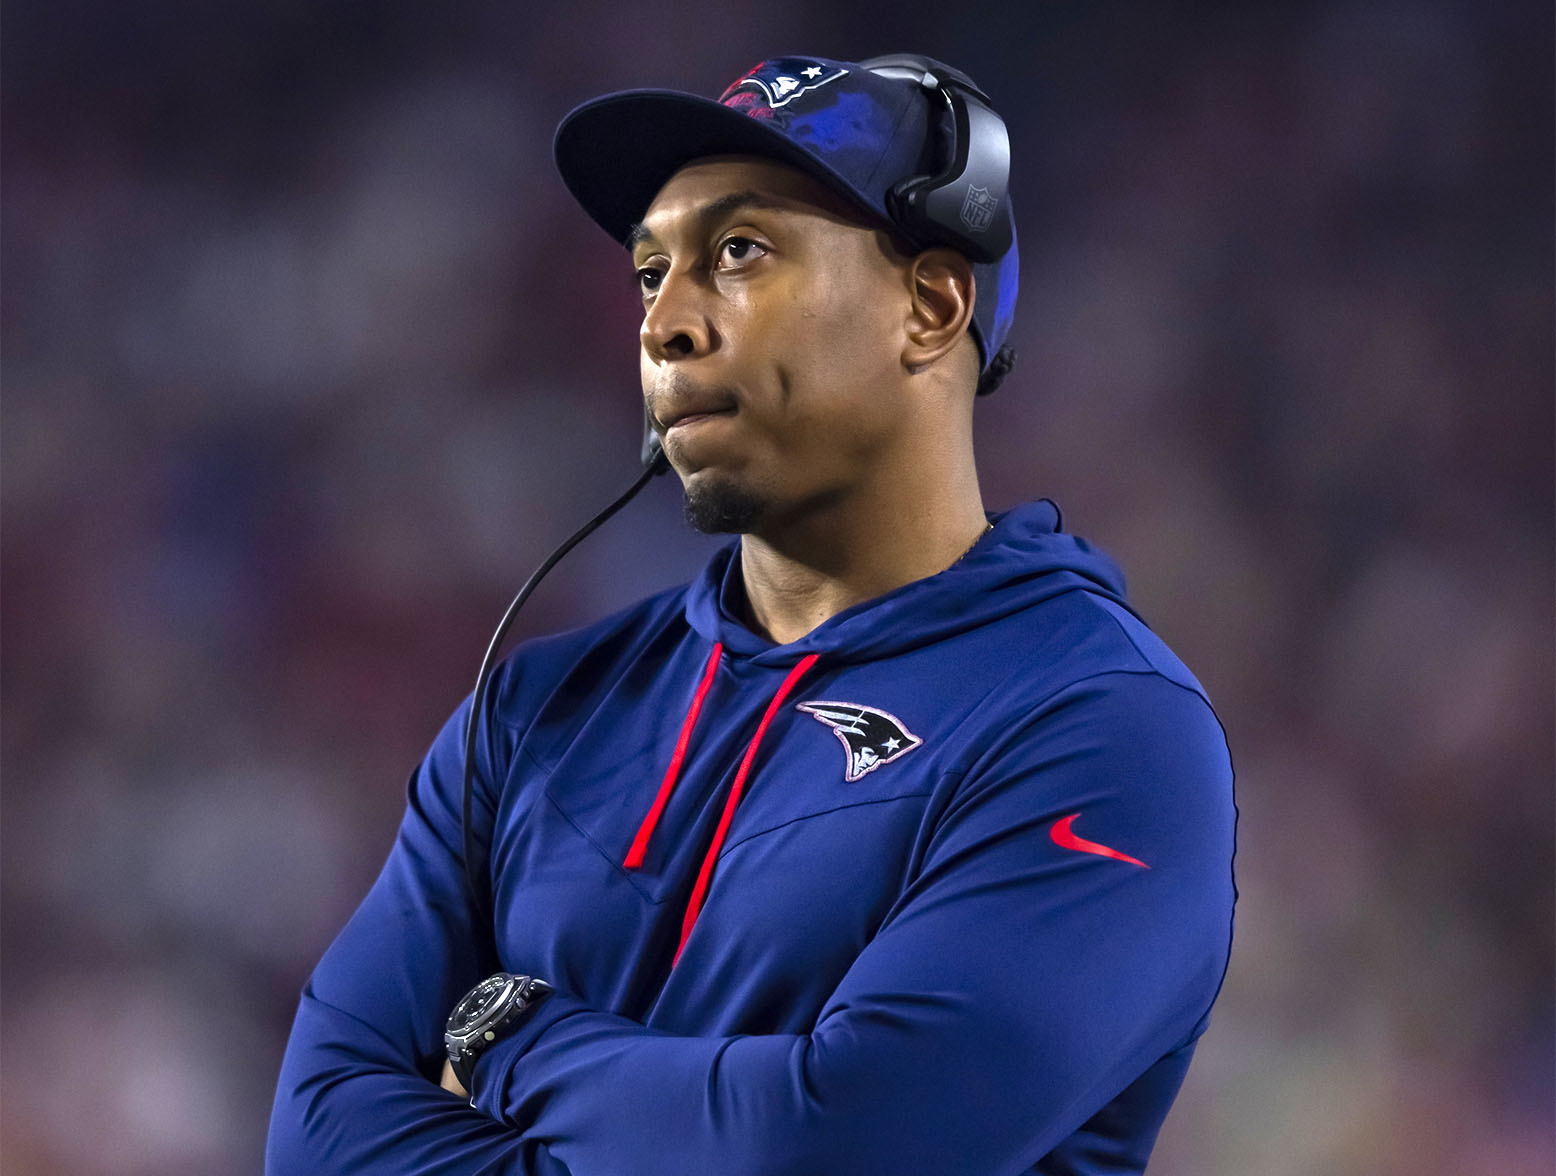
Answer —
941 287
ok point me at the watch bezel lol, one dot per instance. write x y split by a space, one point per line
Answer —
483 1006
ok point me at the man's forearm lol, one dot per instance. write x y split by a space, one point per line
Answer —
346 1105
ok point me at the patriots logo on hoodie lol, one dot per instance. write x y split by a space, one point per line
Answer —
870 737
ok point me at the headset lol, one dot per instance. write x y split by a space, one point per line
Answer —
930 210
976 155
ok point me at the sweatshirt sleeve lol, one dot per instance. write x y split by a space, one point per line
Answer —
358 1090
1022 980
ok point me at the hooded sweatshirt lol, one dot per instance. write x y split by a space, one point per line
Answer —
942 887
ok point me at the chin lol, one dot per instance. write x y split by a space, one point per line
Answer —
718 506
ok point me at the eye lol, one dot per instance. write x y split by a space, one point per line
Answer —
740 250
647 279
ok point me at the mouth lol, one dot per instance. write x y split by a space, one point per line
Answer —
688 420
680 406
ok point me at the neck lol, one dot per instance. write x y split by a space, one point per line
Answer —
806 570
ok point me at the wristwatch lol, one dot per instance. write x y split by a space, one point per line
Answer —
493 1007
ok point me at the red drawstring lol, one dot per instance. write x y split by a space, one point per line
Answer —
701 888
634 858
646 829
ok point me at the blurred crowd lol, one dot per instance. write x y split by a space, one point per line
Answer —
308 359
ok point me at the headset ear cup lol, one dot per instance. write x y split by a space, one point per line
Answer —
968 202
963 204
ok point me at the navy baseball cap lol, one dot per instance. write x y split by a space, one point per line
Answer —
856 131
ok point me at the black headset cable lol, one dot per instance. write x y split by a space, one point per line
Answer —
479 894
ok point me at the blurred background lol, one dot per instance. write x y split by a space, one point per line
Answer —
308 359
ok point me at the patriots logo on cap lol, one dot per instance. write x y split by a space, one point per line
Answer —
870 737
782 79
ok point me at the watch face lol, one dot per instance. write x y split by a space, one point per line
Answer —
479 1003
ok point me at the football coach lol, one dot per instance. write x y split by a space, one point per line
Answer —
895 842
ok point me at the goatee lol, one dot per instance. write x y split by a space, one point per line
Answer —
722 509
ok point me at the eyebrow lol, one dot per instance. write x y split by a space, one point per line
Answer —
712 211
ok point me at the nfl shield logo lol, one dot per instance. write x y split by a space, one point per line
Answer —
978 209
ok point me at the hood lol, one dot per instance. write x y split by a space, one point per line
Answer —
1025 559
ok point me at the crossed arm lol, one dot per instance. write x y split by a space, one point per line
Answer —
1011 992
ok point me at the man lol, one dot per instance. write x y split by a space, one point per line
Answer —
895 842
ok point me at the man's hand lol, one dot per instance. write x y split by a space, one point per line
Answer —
451 1083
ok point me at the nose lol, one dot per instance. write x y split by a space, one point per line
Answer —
676 325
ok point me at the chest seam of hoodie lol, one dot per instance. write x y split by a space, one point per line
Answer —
610 859
753 835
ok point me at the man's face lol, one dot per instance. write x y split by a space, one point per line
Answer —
771 340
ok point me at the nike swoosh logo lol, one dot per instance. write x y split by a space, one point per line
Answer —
1063 837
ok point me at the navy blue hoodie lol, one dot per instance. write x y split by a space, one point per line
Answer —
943 887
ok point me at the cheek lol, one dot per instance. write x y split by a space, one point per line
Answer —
832 423
832 340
